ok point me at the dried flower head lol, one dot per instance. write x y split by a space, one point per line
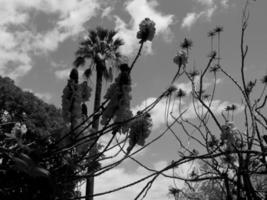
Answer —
186 44
233 107
212 54
174 191
181 93
140 129
170 90
215 68
213 141
193 73
146 30
206 96
211 33
218 29
228 108
181 58
250 86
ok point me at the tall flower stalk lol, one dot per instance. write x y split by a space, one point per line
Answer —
211 34
181 60
146 33
218 31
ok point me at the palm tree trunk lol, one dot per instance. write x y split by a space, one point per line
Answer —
95 125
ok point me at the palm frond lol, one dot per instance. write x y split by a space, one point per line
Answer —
79 61
92 36
120 57
100 46
85 42
117 43
82 51
111 35
102 33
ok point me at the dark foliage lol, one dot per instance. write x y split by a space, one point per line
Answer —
28 171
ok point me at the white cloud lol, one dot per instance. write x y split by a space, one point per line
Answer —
206 2
139 10
107 11
118 177
225 3
19 36
43 96
204 9
116 154
59 65
159 112
190 19
187 87
80 12
62 74
14 63
212 2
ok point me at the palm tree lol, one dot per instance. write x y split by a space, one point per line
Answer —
100 50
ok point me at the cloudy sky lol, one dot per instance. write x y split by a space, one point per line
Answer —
38 39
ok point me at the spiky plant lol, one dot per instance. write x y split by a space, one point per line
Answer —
186 45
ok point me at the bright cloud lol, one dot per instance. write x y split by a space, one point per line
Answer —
62 74
116 154
165 106
206 2
204 9
118 177
187 87
43 96
19 35
159 112
106 12
139 10
190 19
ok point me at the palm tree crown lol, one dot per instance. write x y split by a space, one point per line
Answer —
101 49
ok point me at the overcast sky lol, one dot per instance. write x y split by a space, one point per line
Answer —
38 39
